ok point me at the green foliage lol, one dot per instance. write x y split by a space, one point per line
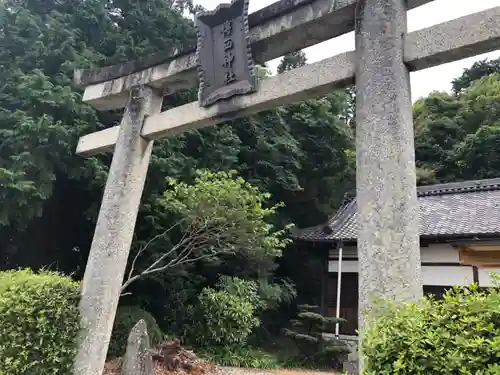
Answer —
240 356
318 191
227 209
263 295
222 319
291 61
219 216
477 71
274 295
457 335
126 318
307 333
456 134
42 117
436 128
246 289
39 323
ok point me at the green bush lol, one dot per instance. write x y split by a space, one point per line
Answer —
307 334
457 335
126 318
246 289
222 318
240 356
39 323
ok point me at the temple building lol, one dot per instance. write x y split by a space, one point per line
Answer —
459 244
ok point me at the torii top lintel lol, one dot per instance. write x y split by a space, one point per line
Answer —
86 77
274 31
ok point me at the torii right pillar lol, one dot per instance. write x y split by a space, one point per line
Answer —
388 237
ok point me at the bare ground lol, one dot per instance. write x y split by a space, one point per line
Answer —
113 368
246 371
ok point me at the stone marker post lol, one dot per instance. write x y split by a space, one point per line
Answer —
388 238
114 230
138 359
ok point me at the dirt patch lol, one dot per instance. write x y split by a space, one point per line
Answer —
251 371
114 367
170 358
300 372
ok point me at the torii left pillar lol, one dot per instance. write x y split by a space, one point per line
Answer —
114 232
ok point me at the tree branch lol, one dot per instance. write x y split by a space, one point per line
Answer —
132 267
197 235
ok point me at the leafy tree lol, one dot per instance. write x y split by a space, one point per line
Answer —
42 117
478 70
307 333
481 104
225 316
437 131
218 215
456 134
478 155
291 61
302 153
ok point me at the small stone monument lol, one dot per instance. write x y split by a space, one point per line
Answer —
351 367
138 360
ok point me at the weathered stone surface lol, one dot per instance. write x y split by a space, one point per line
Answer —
463 37
467 37
225 63
388 240
275 30
138 359
113 235
350 367
309 81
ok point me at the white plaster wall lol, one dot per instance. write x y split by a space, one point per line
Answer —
439 253
431 275
447 275
485 276
347 266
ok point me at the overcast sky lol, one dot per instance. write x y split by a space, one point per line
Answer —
423 82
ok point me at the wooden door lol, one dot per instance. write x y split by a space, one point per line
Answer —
348 300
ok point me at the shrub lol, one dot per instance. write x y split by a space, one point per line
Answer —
221 318
246 289
126 318
457 335
264 295
240 356
39 323
314 347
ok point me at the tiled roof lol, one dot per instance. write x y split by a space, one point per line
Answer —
456 210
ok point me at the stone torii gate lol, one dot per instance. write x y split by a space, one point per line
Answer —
385 53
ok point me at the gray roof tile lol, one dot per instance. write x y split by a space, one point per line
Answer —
462 209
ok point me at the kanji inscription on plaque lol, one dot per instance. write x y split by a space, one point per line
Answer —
225 64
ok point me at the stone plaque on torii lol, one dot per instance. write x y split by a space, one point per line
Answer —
225 63
388 243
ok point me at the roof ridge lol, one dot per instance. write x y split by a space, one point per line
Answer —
447 211
441 189
457 187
